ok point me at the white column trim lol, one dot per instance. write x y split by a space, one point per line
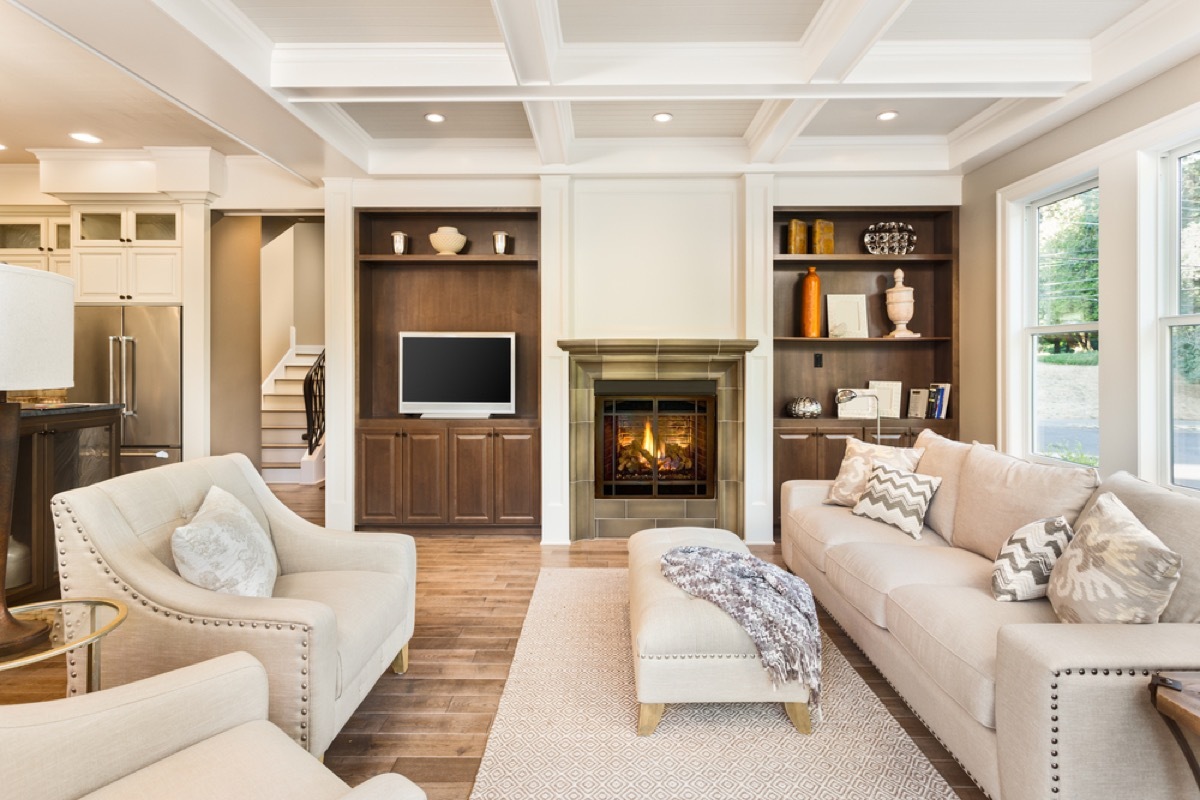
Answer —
758 202
339 354
553 269
195 228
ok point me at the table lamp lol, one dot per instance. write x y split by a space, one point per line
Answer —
846 395
37 346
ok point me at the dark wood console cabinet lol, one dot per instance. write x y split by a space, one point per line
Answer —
446 475
60 449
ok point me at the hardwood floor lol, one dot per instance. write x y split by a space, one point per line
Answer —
431 723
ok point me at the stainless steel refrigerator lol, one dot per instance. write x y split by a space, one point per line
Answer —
131 355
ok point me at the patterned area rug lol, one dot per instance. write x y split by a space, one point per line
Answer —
566 726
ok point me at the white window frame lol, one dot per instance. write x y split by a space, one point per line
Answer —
1169 316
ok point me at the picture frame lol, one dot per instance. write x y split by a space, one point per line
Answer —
888 393
847 315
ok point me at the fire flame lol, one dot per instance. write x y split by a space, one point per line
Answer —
648 441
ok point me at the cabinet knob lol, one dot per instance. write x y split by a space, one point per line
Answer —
41 249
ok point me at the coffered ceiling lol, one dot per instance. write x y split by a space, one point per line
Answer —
341 87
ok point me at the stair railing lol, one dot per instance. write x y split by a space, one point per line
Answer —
314 403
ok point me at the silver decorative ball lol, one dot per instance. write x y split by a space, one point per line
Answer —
804 407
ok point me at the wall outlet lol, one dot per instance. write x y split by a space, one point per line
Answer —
818 360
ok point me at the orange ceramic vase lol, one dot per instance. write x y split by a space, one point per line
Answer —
810 305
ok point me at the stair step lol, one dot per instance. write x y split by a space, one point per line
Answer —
284 453
288 386
284 434
282 417
280 474
283 402
291 371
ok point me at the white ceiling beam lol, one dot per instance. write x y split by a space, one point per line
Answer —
185 71
777 125
553 130
1152 39
531 37
307 66
841 34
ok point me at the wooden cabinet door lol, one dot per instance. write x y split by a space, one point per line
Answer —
100 275
378 484
518 476
892 437
154 275
423 475
831 448
470 476
795 457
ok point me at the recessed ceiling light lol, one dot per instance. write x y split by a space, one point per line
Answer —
663 116
887 116
435 117
86 138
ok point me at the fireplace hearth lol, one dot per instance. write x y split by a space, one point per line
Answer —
656 444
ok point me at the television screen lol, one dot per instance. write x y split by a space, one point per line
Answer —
457 374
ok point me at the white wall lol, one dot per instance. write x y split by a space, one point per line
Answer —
277 268
655 259
309 282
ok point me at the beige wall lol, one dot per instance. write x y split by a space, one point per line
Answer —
309 282
1166 94
277 271
235 385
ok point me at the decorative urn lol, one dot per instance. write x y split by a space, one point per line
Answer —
900 307
447 241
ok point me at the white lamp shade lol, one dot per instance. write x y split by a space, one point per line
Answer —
37 329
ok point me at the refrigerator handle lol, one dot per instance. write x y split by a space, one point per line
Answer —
112 343
131 385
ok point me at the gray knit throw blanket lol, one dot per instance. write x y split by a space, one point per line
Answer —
775 607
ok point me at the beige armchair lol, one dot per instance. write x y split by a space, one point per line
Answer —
196 733
341 611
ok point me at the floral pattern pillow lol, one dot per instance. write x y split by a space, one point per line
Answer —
1114 570
860 459
224 549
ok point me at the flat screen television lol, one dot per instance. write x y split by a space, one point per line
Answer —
470 375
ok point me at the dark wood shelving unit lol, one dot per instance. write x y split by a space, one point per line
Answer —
446 475
813 448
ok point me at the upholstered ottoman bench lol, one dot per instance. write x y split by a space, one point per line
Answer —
687 650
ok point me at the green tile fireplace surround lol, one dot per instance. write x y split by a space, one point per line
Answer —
719 360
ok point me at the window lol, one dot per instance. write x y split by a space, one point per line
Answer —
1182 319
1062 325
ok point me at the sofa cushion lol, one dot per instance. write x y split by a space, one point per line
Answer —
254 760
363 603
1022 570
950 631
815 529
224 549
1114 570
897 497
943 458
864 573
998 493
1172 517
857 464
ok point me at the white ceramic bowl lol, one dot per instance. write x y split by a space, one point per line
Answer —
447 241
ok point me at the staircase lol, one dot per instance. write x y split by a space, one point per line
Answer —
283 423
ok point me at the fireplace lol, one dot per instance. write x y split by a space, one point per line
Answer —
691 370
655 439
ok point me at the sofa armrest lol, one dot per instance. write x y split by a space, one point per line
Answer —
386 787
101 737
1073 713
800 493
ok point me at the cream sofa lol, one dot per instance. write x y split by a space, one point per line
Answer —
197 733
341 609
1032 708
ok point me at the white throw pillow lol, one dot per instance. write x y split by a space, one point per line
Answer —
224 548
856 468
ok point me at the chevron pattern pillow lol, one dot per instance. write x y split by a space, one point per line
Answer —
1022 570
897 497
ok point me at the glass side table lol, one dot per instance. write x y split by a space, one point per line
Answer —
74 623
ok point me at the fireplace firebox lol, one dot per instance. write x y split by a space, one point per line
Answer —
656 444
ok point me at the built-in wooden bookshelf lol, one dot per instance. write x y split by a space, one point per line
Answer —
818 367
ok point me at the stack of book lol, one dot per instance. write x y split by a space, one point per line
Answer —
931 403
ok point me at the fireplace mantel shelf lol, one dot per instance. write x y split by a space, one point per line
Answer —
658 347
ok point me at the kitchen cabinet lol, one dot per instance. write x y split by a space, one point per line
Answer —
127 254
37 242
60 448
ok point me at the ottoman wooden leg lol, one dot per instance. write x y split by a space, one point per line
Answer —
798 714
649 715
